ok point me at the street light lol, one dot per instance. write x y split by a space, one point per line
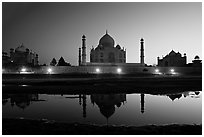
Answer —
97 70
49 70
119 70
156 70
23 70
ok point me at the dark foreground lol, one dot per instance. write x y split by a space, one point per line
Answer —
43 127
89 84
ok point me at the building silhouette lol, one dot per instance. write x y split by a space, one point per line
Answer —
107 53
22 100
21 56
172 59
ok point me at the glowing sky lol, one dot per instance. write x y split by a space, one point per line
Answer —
55 29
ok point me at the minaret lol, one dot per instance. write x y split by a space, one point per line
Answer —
142 103
83 50
79 57
142 51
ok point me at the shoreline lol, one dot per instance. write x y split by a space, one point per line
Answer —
45 127
89 85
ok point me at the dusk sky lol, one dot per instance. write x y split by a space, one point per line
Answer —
55 29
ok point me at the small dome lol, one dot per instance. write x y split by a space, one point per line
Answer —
107 41
141 39
21 48
118 47
83 36
197 57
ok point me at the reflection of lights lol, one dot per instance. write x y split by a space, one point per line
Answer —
119 70
23 70
49 70
3 70
156 70
97 70
23 85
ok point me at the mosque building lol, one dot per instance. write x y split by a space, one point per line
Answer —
172 59
107 53
23 56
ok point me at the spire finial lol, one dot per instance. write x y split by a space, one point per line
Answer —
106 31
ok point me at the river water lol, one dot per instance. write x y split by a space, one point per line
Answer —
112 109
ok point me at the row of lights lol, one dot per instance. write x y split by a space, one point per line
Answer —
171 70
24 70
119 70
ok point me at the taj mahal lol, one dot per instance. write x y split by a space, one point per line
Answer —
107 53
106 58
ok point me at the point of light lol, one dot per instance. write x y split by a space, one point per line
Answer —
172 70
97 70
119 70
49 70
23 70
156 70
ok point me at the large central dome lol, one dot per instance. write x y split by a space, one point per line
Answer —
107 41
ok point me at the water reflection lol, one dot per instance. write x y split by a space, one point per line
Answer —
193 94
118 108
107 102
20 100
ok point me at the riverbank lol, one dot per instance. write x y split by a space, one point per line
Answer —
91 84
44 127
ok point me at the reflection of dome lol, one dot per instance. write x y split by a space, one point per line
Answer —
107 102
197 92
107 41
107 111
173 97
22 105
21 48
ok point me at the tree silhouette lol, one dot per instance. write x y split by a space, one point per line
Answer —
61 62
53 62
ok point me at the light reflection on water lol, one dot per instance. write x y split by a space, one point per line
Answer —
117 109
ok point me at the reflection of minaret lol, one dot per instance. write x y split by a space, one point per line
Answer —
79 57
83 50
142 103
84 105
142 51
